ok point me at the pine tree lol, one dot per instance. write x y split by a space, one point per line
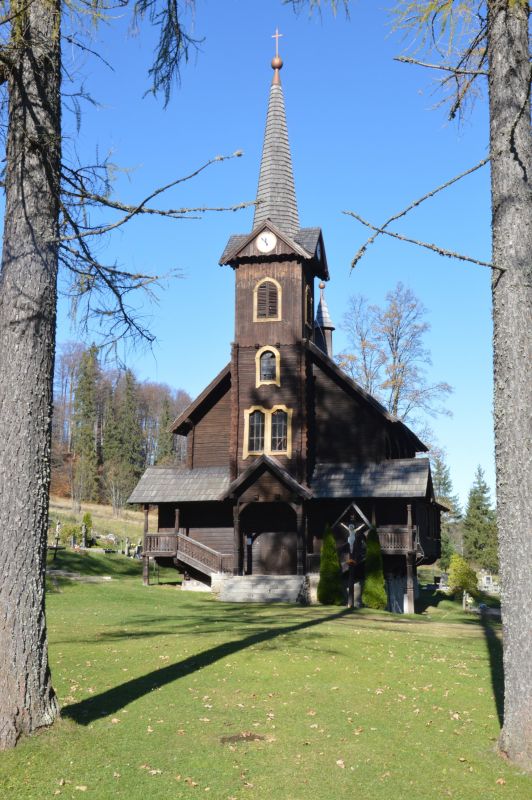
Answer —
374 591
84 444
123 443
451 527
165 437
330 590
480 528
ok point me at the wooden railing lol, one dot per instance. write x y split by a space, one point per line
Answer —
160 544
177 545
199 555
396 539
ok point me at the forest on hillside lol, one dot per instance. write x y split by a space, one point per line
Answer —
108 426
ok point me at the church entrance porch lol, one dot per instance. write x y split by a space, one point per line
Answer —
269 538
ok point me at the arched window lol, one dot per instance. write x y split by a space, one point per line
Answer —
279 442
267 300
256 432
268 366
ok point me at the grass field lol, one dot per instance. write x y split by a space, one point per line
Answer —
170 694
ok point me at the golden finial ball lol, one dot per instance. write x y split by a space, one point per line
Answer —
277 62
322 285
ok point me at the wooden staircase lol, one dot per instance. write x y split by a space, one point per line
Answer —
187 553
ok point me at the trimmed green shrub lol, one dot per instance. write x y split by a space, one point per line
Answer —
374 591
330 589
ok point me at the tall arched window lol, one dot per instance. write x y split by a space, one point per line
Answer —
268 366
279 441
267 301
256 432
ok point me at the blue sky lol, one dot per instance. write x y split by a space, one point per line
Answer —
366 134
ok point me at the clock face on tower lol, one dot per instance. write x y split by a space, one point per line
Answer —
266 242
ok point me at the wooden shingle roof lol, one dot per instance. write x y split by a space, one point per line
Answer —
174 484
276 194
397 478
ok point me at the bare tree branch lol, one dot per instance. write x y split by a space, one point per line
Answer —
435 248
412 205
76 180
444 67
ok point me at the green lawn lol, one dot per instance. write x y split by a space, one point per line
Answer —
168 694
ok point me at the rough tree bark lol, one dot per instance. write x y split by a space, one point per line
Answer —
511 170
27 338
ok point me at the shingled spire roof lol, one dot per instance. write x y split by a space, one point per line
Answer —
323 318
276 194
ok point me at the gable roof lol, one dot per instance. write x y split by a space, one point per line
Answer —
256 468
396 478
184 419
351 386
179 484
304 244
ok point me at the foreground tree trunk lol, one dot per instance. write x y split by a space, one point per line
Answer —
27 337
511 171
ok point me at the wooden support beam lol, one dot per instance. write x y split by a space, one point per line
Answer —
145 558
237 542
177 520
146 570
300 521
410 568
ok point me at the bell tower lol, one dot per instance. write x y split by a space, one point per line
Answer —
275 266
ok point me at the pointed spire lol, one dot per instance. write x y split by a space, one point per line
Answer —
323 325
276 194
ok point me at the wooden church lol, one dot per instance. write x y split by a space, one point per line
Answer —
282 443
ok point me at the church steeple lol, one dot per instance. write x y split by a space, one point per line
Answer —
276 193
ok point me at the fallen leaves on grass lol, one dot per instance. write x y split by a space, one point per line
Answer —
340 763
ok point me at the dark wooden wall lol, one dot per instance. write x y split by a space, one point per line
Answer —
208 441
290 393
274 553
344 428
291 327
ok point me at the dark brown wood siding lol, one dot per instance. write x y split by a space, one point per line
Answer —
289 394
211 435
290 328
344 429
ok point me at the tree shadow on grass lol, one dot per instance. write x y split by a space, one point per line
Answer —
111 701
494 648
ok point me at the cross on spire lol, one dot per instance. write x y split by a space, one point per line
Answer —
277 36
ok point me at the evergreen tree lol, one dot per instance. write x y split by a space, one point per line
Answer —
330 590
451 520
165 437
84 444
374 591
123 443
480 528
